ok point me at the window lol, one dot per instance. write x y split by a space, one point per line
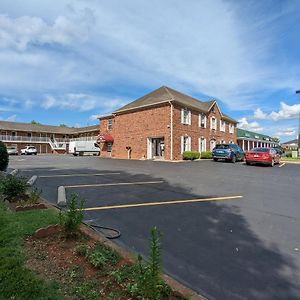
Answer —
222 125
185 143
109 147
230 142
213 123
186 116
212 144
109 124
202 120
202 144
231 128
222 142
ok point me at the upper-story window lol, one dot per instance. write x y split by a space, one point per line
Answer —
213 123
222 125
186 116
202 120
109 124
231 128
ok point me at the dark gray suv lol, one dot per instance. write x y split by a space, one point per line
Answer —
231 152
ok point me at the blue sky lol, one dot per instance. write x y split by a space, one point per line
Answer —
69 61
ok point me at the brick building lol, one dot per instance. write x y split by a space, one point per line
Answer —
46 138
163 124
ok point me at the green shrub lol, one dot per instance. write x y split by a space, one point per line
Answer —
81 249
190 155
149 284
206 155
13 188
4 158
71 219
289 154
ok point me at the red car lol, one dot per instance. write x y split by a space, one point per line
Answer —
267 156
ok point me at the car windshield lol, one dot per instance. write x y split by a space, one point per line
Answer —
222 146
260 150
31 147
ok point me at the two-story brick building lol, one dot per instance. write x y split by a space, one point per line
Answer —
163 124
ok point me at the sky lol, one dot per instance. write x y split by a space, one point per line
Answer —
69 61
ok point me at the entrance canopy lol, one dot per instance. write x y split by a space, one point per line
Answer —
105 138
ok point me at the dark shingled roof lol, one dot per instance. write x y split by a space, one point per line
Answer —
17 126
166 94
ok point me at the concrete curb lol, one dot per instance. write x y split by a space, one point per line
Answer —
61 196
14 172
290 162
32 180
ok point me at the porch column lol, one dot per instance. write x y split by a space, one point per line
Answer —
248 145
243 145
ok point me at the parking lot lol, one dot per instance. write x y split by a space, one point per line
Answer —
229 231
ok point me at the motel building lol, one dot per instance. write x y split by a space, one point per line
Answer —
45 138
248 140
162 125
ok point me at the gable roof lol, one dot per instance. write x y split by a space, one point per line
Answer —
292 142
242 133
165 94
17 126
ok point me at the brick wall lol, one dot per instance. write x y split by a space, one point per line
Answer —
134 128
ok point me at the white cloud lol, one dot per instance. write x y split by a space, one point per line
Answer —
251 126
93 117
287 132
285 112
259 114
19 33
81 102
11 118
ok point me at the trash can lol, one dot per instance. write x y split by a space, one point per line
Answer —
295 154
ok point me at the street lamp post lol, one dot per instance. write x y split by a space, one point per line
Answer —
298 92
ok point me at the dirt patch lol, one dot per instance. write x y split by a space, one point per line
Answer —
57 259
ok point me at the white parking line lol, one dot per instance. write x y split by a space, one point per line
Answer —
113 184
78 175
281 165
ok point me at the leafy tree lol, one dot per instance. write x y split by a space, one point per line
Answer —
4 158
35 122
63 125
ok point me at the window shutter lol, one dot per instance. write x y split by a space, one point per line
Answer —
182 115
211 123
204 121
204 148
199 120
199 144
182 144
189 143
190 117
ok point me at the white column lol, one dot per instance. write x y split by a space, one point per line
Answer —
243 145
248 145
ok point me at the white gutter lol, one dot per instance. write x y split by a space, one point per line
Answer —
171 133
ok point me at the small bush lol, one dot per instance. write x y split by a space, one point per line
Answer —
34 196
81 249
71 219
190 155
206 155
4 158
13 188
288 154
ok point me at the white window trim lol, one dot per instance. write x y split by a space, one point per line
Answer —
222 126
211 123
200 145
111 125
189 143
201 115
189 117
231 128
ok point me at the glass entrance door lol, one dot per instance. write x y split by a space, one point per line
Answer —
158 148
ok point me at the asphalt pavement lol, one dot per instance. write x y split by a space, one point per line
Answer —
244 247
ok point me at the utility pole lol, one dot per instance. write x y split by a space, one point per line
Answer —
298 92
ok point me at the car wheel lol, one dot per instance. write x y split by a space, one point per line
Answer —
247 163
215 159
233 160
272 163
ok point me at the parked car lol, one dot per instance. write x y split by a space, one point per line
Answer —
12 151
231 152
267 156
28 150
279 150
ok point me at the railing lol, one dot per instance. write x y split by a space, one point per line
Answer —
84 138
12 138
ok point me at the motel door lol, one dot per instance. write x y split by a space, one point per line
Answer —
158 148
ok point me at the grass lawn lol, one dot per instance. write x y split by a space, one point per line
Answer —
16 281
296 159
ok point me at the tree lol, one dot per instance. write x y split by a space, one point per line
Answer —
4 158
35 122
63 125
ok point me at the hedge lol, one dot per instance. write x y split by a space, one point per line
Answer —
206 155
3 157
190 155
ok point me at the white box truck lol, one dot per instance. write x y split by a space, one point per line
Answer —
83 147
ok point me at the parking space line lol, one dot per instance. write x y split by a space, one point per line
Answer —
112 184
78 175
281 165
162 203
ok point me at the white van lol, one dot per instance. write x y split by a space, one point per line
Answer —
84 147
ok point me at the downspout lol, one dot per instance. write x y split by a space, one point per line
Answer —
171 131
